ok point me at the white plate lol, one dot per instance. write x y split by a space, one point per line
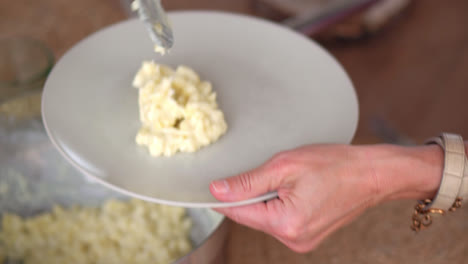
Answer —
278 90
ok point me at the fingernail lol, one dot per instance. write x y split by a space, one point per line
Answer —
221 186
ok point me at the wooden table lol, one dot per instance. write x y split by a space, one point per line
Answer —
413 74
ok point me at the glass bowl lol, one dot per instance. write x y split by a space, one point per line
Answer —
33 175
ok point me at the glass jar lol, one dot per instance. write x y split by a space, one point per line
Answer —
33 175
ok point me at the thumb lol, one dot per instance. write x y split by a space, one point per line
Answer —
246 185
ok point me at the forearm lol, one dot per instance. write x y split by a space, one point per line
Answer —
407 172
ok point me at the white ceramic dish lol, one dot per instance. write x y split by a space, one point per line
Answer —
278 90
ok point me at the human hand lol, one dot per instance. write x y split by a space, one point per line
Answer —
323 187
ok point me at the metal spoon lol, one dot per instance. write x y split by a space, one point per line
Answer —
154 17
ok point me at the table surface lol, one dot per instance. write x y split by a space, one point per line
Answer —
412 74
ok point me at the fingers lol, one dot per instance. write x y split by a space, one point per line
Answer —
244 186
252 183
257 216
253 216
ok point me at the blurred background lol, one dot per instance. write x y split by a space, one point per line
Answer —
408 61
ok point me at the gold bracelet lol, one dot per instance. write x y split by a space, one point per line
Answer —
422 218
453 185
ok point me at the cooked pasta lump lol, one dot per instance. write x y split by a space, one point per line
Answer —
131 231
178 111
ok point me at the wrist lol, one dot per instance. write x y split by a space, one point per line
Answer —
407 172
